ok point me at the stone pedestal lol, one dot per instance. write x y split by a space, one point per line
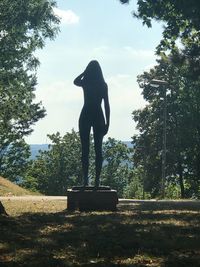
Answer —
91 199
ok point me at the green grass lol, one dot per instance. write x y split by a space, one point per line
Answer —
8 188
43 233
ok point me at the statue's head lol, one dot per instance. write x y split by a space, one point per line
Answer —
93 71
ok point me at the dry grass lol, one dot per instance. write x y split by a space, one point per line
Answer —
154 234
17 208
8 188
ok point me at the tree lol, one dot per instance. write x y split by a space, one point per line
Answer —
14 160
183 110
117 165
24 26
181 20
135 186
181 25
58 168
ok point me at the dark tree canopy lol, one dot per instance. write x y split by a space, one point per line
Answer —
24 26
183 128
180 67
181 19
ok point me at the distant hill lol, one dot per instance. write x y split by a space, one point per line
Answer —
8 188
128 143
35 148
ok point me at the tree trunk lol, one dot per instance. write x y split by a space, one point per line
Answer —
180 173
198 168
2 209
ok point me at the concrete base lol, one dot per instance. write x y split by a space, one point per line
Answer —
91 199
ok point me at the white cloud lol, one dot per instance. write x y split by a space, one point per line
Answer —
66 16
125 96
58 93
101 49
124 52
63 102
140 53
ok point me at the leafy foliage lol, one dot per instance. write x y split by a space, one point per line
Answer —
183 110
180 68
135 188
181 24
116 171
14 160
59 167
181 20
24 26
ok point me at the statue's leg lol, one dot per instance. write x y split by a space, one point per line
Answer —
98 138
85 144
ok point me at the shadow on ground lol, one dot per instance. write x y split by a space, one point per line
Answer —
140 234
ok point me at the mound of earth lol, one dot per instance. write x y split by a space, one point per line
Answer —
8 188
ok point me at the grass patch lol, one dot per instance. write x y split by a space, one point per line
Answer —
154 234
8 188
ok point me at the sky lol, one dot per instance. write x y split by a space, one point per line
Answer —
106 31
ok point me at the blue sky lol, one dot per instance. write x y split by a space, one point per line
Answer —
106 31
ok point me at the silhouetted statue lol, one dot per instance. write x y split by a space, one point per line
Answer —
95 90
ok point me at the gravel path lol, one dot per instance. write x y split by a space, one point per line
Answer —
122 201
35 198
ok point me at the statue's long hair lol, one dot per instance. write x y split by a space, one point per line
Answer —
93 74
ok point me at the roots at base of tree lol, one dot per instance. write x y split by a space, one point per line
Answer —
2 210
